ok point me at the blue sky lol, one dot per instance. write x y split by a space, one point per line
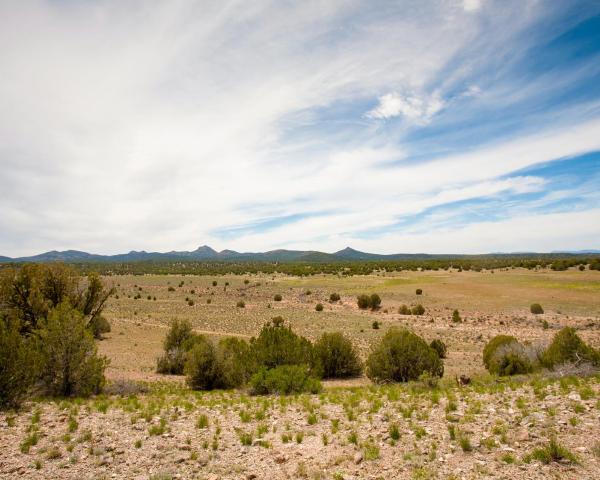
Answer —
449 126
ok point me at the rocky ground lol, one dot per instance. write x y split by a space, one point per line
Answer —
490 429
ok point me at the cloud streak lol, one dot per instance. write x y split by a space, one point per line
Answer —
159 126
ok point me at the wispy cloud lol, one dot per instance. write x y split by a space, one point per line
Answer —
165 125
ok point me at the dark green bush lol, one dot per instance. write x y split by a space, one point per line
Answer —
236 362
400 356
278 345
334 297
241 304
375 325
69 360
17 364
99 326
365 301
319 307
566 347
505 355
179 340
419 291
284 380
456 317
202 368
418 310
536 309
439 347
404 310
277 297
337 356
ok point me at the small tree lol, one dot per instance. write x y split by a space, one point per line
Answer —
363 301
279 345
235 360
70 364
439 347
456 316
418 310
202 368
179 340
567 346
17 364
536 309
337 356
402 355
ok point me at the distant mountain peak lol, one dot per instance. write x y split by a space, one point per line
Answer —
206 248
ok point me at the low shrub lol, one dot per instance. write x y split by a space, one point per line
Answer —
567 347
68 354
365 301
505 355
337 356
439 347
240 304
536 309
404 310
202 368
319 307
179 340
284 380
402 355
236 363
456 317
99 326
375 325
418 310
17 362
277 297
334 297
419 291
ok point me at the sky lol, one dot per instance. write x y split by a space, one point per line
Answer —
443 126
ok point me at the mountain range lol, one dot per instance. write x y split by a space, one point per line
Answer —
206 253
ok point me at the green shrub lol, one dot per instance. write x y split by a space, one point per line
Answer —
404 310
236 362
319 307
375 325
400 356
278 345
536 309
337 356
202 368
17 364
99 326
567 346
439 347
240 304
365 301
69 360
277 297
284 380
418 310
419 291
179 340
504 355
456 316
334 297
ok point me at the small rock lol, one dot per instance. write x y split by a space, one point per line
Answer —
358 458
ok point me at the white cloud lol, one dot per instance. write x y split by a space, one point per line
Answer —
149 125
419 109
471 5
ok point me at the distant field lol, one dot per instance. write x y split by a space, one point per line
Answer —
490 303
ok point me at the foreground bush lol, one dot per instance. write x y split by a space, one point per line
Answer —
236 362
505 355
284 380
179 340
566 347
17 362
69 360
278 345
202 368
337 357
402 356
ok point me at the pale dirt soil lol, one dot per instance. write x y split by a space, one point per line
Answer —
489 303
